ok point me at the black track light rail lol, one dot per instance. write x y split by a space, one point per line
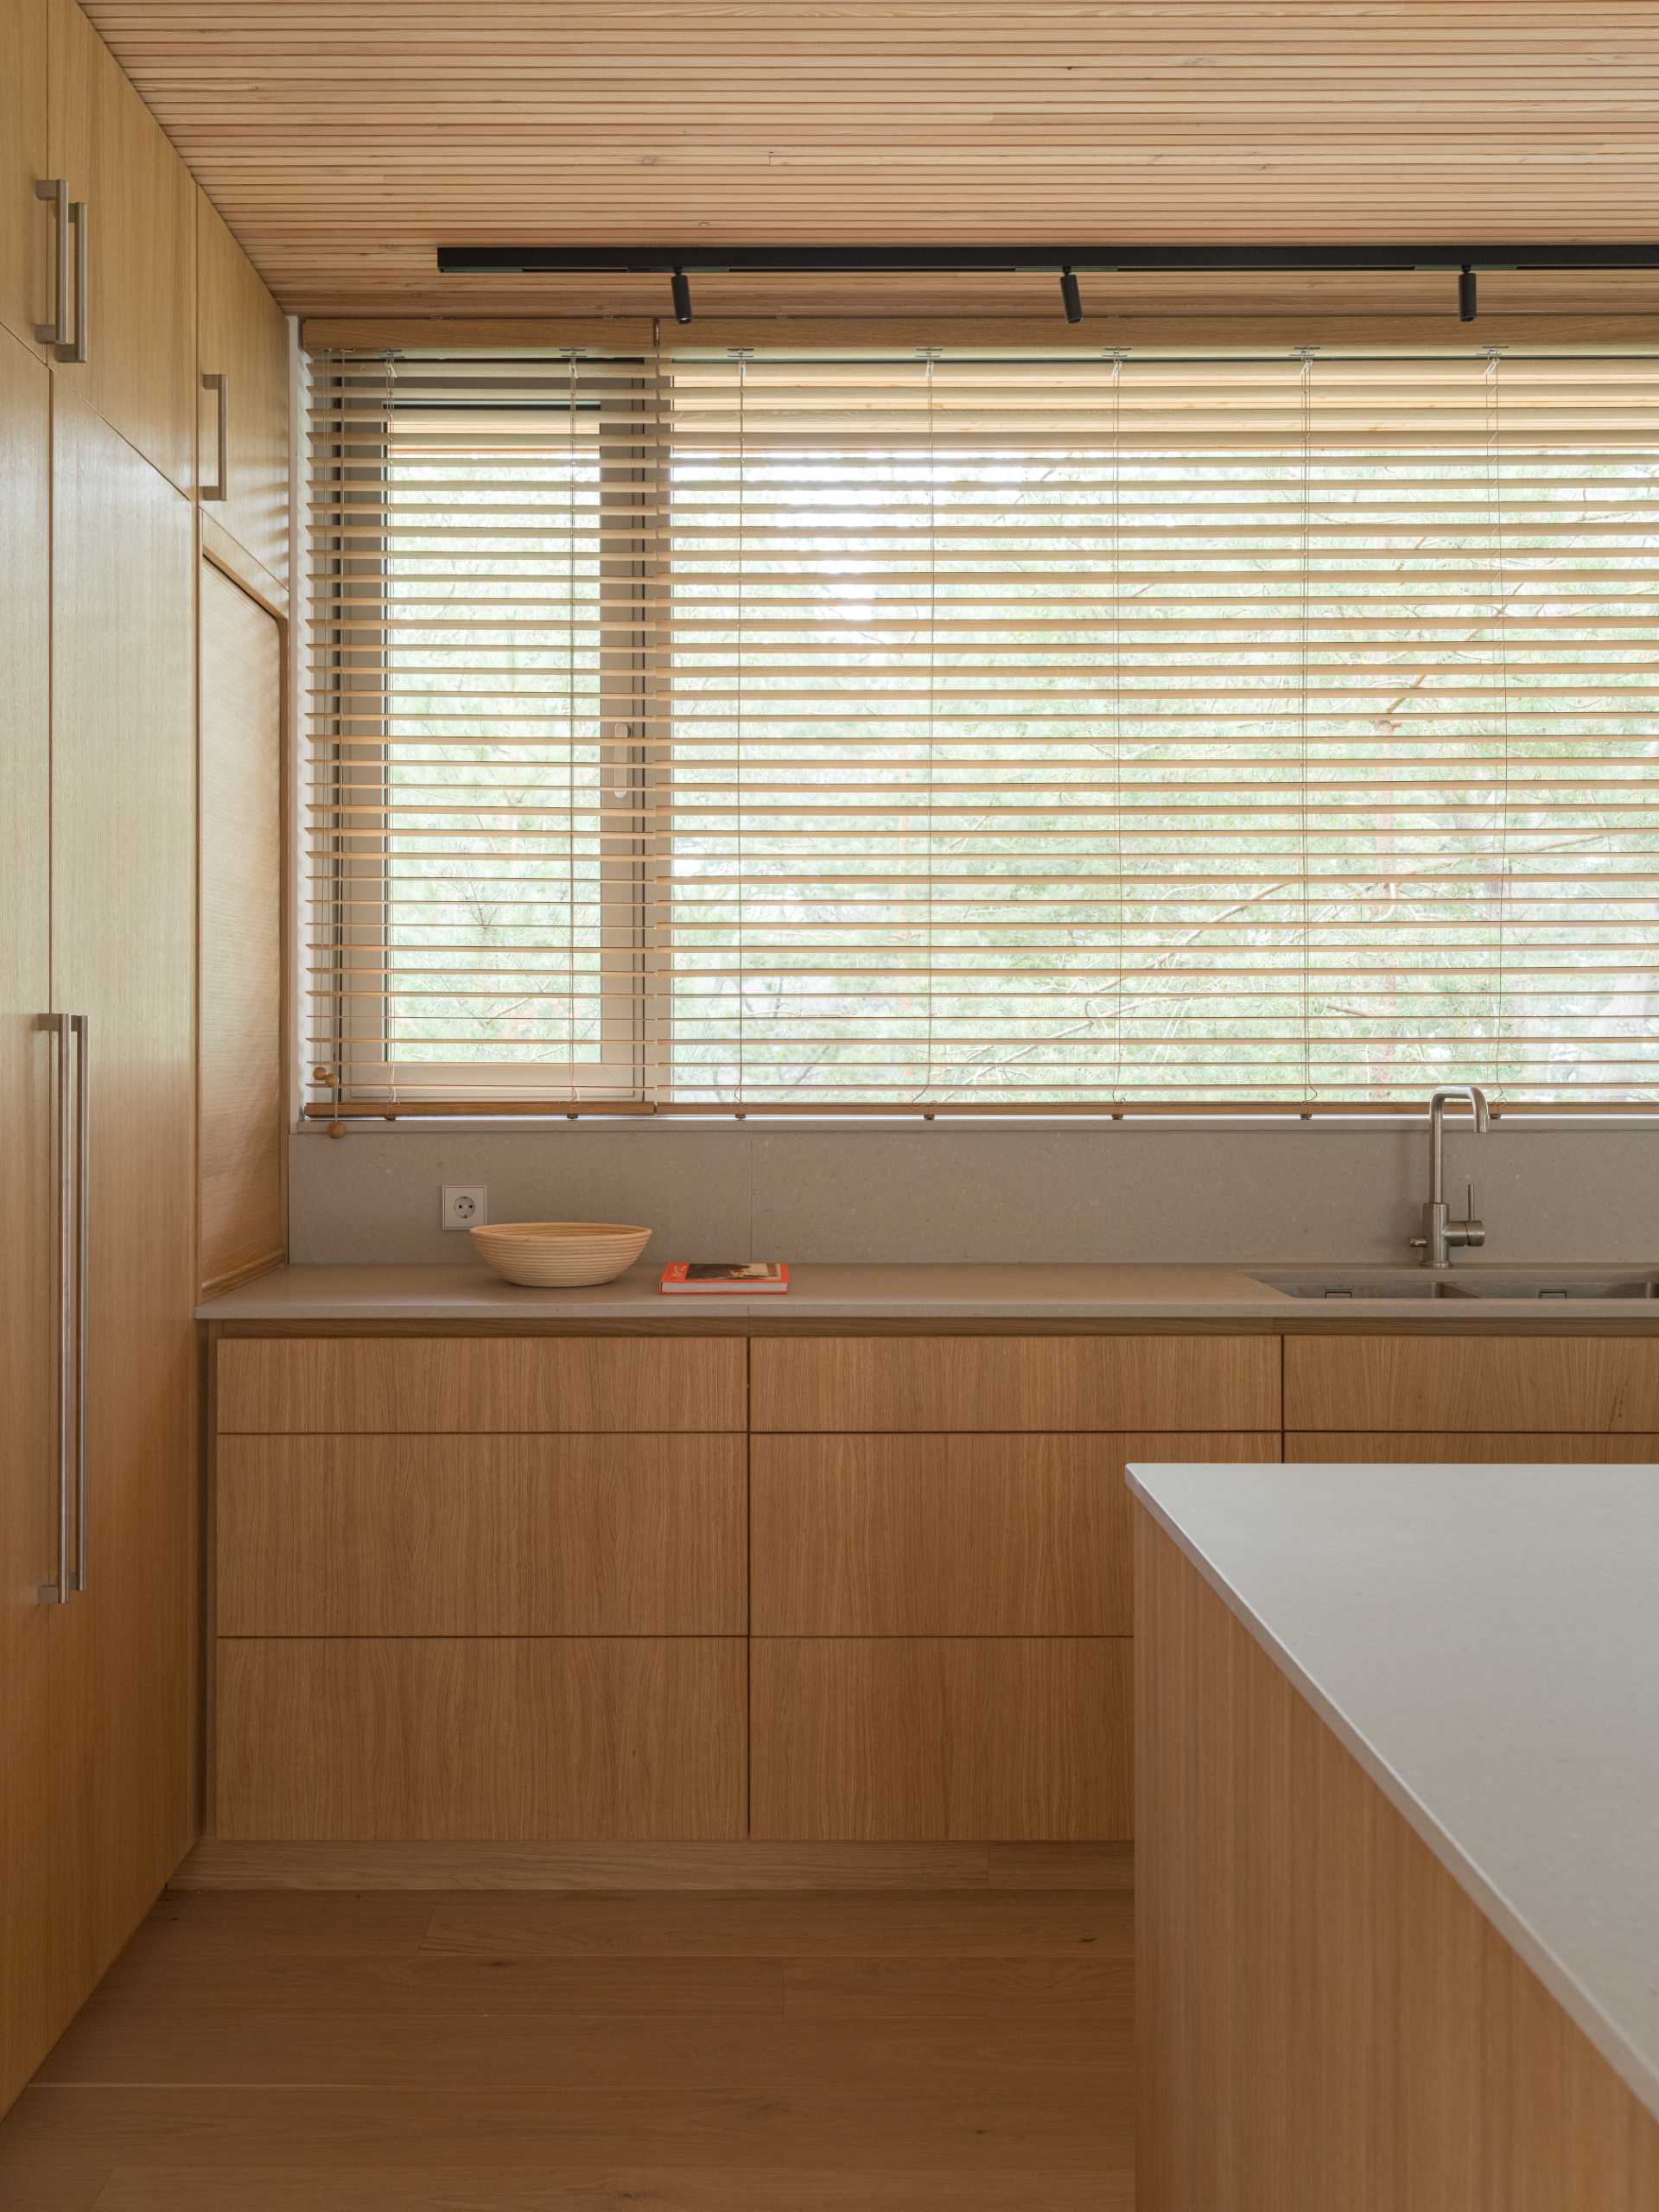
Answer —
680 263
1016 260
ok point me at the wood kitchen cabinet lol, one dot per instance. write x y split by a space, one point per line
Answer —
122 955
135 259
516 1738
36 1992
481 1535
99 1669
460 1384
241 1048
954 1535
931 1738
242 357
1591 1385
25 221
853 1383
481 1586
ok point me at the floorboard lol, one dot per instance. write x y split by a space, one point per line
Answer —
570 2051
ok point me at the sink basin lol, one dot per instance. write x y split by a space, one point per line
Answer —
1361 1283
1478 1282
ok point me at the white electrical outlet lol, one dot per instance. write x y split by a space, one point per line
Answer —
466 1205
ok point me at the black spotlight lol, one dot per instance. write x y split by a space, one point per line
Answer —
1465 294
682 297
1071 298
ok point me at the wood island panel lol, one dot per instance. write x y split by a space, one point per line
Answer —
954 1535
1324 2017
1082 1382
438 1385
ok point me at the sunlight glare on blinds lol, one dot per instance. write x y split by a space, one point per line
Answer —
944 731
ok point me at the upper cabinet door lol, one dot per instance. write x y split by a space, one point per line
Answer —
132 255
242 351
25 241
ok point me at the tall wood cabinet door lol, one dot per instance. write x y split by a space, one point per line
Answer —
139 247
25 241
241 1110
34 1774
122 934
242 353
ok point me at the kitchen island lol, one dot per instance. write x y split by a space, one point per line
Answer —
1397 1815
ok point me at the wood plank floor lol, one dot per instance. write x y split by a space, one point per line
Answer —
451 2051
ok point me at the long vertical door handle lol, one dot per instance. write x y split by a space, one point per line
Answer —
81 1027
78 223
55 1592
56 189
221 487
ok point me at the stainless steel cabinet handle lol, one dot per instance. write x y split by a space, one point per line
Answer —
221 487
81 1024
77 222
56 189
55 1592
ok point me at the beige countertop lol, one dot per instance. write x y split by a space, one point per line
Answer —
964 1291
1483 1641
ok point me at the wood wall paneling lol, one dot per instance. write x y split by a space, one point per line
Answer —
998 1737
140 371
357 1385
343 147
460 1737
482 1535
1590 1385
35 1995
1323 2017
242 1070
957 1535
25 222
1103 1383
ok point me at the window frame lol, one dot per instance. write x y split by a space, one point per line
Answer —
357 902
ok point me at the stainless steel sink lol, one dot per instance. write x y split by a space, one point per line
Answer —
1361 1282
1472 1282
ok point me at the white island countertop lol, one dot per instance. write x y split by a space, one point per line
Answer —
970 1291
1485 1642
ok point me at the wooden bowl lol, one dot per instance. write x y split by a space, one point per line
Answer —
560 1255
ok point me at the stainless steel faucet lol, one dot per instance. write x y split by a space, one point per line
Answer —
1441 1235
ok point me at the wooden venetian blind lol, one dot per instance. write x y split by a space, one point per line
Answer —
940 732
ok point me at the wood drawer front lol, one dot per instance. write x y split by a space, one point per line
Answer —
1589 1385
953 1536
336 1385
917 1739
1016 1382
482 1535
507 1737
1408 1447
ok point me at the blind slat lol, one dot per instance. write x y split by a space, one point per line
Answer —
951 732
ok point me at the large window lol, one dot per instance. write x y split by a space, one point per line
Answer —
932 732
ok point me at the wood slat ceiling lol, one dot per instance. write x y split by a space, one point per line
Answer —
342 139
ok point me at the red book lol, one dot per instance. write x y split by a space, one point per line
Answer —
738 1278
